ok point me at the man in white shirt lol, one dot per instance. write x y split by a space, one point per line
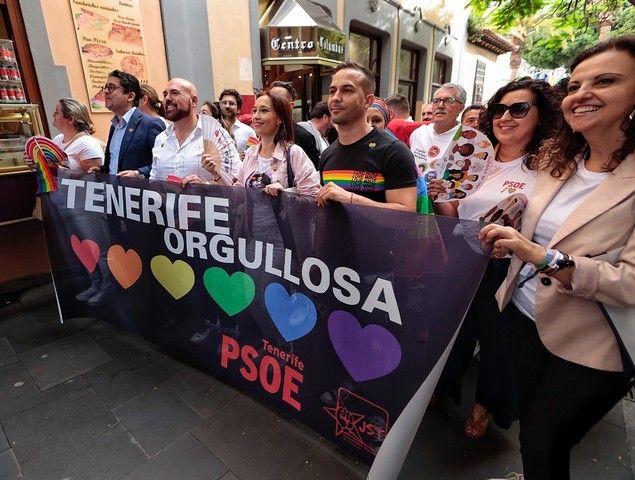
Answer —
429 142
178 151
230 104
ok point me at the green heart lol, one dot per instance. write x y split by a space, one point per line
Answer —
232 293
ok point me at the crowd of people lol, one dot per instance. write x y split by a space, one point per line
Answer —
548 356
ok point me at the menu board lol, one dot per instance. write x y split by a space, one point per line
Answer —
110 36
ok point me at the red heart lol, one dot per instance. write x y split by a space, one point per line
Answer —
87 251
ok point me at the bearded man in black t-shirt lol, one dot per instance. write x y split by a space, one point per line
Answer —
364 166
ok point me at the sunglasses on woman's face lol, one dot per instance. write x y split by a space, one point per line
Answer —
516 110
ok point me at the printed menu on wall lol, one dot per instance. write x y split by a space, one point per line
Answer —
110 36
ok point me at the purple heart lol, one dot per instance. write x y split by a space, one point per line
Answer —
367 353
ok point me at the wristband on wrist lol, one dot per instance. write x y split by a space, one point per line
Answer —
351 199
554 261
545 262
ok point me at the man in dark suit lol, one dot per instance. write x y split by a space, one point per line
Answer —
132 134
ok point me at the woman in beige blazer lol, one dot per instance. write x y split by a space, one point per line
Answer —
565 357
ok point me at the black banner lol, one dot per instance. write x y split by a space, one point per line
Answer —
334 315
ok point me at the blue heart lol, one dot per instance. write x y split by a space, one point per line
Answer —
294 315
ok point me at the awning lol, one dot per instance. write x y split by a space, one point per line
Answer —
300 32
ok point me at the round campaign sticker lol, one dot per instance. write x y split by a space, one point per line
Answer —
433 151
465 165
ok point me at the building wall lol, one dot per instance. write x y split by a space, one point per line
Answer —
230 34
466 54
217 45
187 33
380 23
51 35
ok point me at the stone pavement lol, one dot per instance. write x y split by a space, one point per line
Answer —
86 401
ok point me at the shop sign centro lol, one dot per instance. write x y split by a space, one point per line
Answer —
302 42
290 43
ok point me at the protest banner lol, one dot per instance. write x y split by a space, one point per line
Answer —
340 317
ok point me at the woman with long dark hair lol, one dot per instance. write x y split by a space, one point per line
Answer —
564 353
519 117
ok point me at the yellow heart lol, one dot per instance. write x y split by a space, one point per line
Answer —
177 278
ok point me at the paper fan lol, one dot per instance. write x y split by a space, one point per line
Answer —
508 212
219 144
46 156
465 164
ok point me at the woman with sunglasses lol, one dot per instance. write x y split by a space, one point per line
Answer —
565 355
518 118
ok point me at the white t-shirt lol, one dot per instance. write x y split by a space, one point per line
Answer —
241 133
570 196
84 147
427 145
504 179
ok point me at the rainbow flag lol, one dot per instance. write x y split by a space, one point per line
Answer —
424 204
47 157
355 180
251 141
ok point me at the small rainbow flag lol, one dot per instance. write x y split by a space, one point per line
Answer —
251 141
47 157
424 204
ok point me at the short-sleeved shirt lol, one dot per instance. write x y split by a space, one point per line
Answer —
370 166
503 179
84 147
428 146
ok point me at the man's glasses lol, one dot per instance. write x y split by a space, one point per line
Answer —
446 101
516 110
111 87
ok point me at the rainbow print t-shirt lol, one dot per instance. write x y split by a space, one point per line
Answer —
370 166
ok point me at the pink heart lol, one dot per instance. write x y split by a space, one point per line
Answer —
87 251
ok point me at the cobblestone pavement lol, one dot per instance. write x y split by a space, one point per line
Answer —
86 401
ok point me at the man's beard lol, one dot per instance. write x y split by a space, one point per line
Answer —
228 114
178 113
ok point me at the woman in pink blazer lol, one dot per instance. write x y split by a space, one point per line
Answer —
566 359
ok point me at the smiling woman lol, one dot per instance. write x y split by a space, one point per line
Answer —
565 353
513 124
276 164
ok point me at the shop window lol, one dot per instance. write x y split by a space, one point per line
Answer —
366 50
408 75
479 80
439 71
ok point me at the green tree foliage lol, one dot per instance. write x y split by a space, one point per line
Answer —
543 50
558 40
503 14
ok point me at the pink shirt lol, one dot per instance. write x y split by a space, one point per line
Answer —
306 178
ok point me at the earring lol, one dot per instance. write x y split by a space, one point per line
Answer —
631 115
